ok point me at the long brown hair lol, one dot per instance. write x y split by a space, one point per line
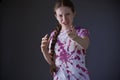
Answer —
59 3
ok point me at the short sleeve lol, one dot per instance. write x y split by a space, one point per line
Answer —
83 33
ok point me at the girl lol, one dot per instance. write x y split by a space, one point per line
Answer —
66 47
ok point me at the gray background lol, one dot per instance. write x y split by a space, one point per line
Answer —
24 22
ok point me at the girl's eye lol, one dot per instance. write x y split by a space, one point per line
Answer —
60 15
68 14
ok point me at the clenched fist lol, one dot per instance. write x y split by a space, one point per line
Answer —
44 43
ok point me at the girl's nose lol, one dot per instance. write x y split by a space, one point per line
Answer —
64 19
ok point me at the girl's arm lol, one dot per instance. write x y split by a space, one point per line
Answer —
84 42
81 38
44 49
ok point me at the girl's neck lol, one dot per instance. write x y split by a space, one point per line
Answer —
64 28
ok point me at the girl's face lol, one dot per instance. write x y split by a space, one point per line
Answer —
65 16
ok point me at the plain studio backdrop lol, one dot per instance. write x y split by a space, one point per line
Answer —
24 22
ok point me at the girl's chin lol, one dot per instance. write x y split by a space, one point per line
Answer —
66 24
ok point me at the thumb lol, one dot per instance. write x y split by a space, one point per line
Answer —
46 35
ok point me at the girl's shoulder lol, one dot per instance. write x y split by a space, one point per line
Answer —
81 31
78 28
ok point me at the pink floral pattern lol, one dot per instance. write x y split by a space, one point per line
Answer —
70 57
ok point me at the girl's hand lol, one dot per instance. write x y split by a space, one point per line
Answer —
83 41
72 33
44 43
44 48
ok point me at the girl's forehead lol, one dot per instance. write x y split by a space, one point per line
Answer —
63 9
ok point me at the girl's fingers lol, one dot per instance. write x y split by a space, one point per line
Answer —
45 40
45 37
44 44
72 33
